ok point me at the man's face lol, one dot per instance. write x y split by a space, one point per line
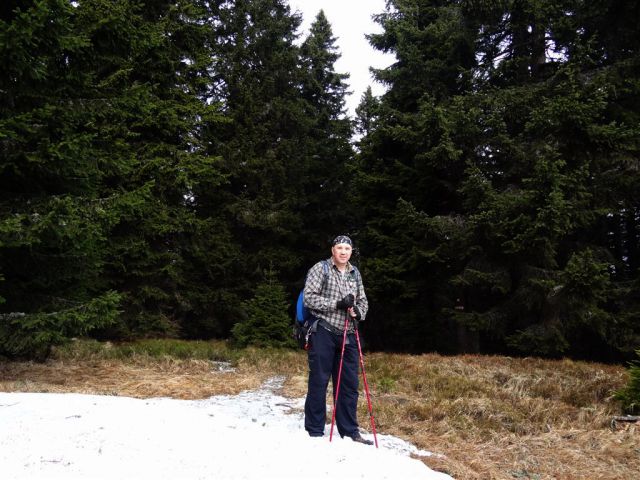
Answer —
341 253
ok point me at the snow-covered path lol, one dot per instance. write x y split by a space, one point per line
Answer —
254 435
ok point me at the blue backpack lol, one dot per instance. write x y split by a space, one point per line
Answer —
302 325
302 313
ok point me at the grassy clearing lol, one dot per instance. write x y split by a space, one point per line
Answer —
487 417
149 349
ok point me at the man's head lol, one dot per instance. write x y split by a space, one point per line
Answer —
342 239
341 249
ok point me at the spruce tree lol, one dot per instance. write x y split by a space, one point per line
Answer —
54 221
327 183
105 119
366 114
408 170
152 122
500 162
280 151
266 322
629 395
537 185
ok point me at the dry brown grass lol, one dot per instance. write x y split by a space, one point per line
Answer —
488 417
504 418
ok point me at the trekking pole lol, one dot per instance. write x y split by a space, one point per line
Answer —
335 399
366 387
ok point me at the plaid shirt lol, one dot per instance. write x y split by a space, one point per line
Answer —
321 295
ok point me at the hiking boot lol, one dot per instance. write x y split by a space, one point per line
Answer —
358 438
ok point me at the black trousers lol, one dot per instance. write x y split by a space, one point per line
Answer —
324 362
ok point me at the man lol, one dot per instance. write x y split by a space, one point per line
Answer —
334 295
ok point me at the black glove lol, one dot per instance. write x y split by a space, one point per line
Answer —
346 302
356 320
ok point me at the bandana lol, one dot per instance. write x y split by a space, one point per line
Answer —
342 239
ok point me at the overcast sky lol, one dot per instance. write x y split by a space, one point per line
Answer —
350 21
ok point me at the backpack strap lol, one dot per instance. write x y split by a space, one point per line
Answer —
358 277
325 269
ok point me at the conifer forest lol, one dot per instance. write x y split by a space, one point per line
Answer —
172 168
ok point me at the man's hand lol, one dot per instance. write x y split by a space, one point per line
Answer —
355 316
346 302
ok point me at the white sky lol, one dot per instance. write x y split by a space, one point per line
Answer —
255 435
350 21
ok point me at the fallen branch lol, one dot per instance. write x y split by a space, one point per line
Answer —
624 419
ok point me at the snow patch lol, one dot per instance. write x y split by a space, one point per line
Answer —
254 435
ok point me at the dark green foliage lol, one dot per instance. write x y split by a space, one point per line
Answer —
157 157
33 335
53 222
407 173
366 113
257 77
325 200
165 151
630 395
267 323
284 150
159 110
505 119
99 153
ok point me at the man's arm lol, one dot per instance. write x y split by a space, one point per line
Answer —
362 303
